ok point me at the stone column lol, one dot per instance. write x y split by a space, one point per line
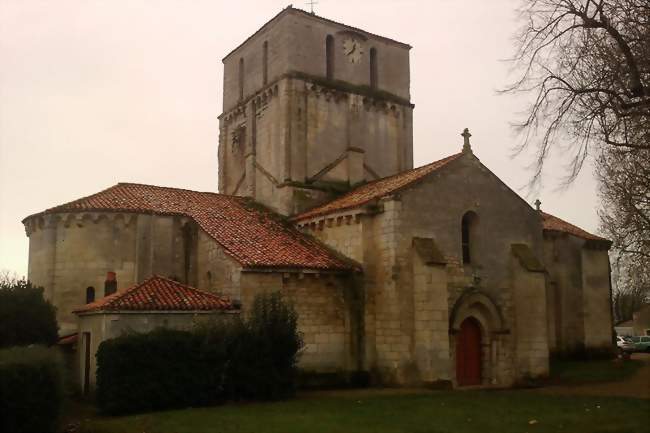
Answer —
49 237
222 151
249 154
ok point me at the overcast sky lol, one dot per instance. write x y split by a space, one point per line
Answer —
97 92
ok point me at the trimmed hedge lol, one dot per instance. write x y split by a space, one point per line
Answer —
158 370
31 389
253 359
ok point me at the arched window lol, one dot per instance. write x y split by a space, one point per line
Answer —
468 235
241 78
265 62
110 285
373 68
90 295
329 56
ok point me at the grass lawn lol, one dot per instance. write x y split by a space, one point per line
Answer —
398 411
576 372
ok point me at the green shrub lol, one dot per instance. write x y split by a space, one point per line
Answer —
25 317
31 389
158 370
253 359
263 351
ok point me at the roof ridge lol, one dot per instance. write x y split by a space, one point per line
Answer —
313 211
186 286
252 234
579 229
53 209
175 189
119 295
72 201
106 300
410 170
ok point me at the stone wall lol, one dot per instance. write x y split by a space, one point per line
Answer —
579 282
325 308
410 303
298 136
562 259
296 42
216 271
295 139
434 209
530 322
70 252
596 295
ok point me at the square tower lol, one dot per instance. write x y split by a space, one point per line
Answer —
311 108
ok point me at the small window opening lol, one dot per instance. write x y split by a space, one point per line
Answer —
329 56
110 285
373 68
90 295
468 235
241 78
265 62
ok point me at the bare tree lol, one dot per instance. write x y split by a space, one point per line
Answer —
587 65
624 187
632 287
9 278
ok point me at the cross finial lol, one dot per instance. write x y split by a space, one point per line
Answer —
538 205
311 4
466 146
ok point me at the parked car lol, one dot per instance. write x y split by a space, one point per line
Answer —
641 344
624 344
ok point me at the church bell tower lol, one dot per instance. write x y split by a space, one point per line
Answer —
312 108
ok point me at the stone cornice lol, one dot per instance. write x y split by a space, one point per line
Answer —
336 88
75 219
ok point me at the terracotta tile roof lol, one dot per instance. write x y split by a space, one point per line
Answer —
375 189
70 339
253 235
555 224
158 294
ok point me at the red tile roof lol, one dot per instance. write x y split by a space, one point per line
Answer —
70 339
158 294
253 235
375 189
555 224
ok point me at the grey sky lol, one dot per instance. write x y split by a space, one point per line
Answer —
96 92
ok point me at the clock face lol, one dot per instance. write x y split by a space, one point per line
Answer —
353 50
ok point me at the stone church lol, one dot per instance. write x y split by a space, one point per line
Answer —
429 275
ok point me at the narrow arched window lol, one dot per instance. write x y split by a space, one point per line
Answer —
373 68
90 295
468 237
265 62
110 285
241 78
329 56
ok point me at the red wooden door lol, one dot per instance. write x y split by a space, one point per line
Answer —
468 353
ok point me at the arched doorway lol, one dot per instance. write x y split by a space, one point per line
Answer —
468 353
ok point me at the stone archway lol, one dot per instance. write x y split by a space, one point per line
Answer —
475 325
